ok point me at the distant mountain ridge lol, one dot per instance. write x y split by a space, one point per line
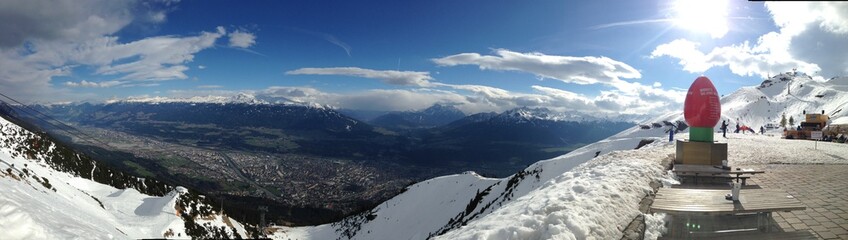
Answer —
517 137
436 115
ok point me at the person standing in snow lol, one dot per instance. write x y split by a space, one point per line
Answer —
724 128
737 128
671 133
762 130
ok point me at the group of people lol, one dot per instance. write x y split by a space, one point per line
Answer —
742 128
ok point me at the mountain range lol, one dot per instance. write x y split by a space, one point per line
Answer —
57 192
591 192
251 151
434 116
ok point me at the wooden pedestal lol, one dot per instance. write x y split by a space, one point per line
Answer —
700 153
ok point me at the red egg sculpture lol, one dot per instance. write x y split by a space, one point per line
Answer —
702 109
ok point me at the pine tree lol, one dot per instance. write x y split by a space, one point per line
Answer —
783 120
791 121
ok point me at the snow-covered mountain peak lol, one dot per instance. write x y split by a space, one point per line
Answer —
792 94
527 114
240 98
442 109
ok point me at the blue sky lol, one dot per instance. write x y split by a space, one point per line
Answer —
593 56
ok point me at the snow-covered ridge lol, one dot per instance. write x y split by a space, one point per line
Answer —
48 192
527 114
786 93
240 98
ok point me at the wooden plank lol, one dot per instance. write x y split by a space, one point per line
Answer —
754 235
709 169
714 175
708 201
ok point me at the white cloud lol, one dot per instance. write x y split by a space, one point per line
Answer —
241 39
376 99
795 17
85 83
36 20
812 38
154 58
329 38
580 70
210 86
629 98
405 78
148 59
624 97
45 39
742 59
470 98
201 67
335 41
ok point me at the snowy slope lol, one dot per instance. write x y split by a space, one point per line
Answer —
786 93
578 195
444 204
37 201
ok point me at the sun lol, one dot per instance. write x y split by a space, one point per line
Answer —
701 16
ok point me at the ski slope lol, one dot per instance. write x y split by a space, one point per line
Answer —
786 93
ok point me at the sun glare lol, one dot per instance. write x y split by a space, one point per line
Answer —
702 16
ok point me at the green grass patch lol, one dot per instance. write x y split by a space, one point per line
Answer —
138 169
173 161
283 144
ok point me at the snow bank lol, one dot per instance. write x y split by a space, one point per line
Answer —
655 225
441 204
748 149
594 200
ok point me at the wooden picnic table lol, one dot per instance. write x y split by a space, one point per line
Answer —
700 202
692 170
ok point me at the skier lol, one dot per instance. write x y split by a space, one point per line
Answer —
762 130
737 128
724 128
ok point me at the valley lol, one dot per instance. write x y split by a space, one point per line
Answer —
314 165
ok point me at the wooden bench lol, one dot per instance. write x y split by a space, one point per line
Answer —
741 177
709 171
754 204
797 235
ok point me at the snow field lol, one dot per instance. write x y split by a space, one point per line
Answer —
594 200
748 149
